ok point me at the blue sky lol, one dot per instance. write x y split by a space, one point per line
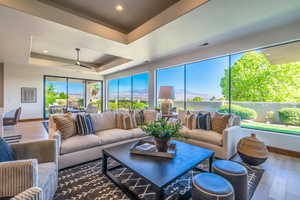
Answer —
74 87
201 77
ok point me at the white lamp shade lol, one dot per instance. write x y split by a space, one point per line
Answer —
166 92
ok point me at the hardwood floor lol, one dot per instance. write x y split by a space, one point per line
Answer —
281 180
29 130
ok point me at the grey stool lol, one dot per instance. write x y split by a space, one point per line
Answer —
208 186
236 174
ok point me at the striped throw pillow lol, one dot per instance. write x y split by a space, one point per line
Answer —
84 125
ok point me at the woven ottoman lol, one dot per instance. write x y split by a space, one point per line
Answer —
208 186
236 174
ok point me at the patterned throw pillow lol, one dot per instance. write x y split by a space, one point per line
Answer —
132 114
204 121
66 125
84 125
220 122
6 153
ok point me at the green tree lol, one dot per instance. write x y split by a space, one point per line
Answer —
51 94
196 99
254 78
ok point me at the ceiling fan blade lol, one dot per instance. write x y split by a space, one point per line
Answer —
81 65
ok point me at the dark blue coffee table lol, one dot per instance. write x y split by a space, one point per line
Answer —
160 172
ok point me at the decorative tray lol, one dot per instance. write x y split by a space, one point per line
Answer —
147 147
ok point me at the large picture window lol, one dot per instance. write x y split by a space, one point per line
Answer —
128 92
203 86
63 94
261 86
173 76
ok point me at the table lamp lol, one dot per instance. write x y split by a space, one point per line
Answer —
166 93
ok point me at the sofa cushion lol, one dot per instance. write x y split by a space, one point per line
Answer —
79 142
104 121
47 177
150 116
208 136
219 122
137 132
66 125
114 135
191 121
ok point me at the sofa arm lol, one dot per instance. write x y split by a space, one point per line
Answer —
230 140
34 193
17 176
43 150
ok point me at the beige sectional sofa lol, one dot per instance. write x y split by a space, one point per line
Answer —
223 144
79 149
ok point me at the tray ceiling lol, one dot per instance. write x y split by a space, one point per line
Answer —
134 14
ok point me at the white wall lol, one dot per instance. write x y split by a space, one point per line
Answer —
18 76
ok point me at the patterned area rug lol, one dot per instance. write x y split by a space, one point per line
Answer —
86 182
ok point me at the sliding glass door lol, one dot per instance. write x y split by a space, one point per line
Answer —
55 96
63 94
94 93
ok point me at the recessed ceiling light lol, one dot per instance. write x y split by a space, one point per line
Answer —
119 8
45 51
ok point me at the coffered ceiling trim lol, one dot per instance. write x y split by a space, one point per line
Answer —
74 20
42 10
170 14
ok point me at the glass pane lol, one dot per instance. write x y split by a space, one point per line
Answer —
140 91
173 76
93 93
113 94
76 95
206 85
266 88
55 95
124 101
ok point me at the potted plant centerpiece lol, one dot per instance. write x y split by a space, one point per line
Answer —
162 131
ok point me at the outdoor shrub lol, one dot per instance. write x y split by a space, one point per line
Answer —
270 116
243 112
290 116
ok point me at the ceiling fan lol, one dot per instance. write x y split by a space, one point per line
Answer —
78 63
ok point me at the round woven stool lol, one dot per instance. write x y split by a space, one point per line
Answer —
208 186
236 174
